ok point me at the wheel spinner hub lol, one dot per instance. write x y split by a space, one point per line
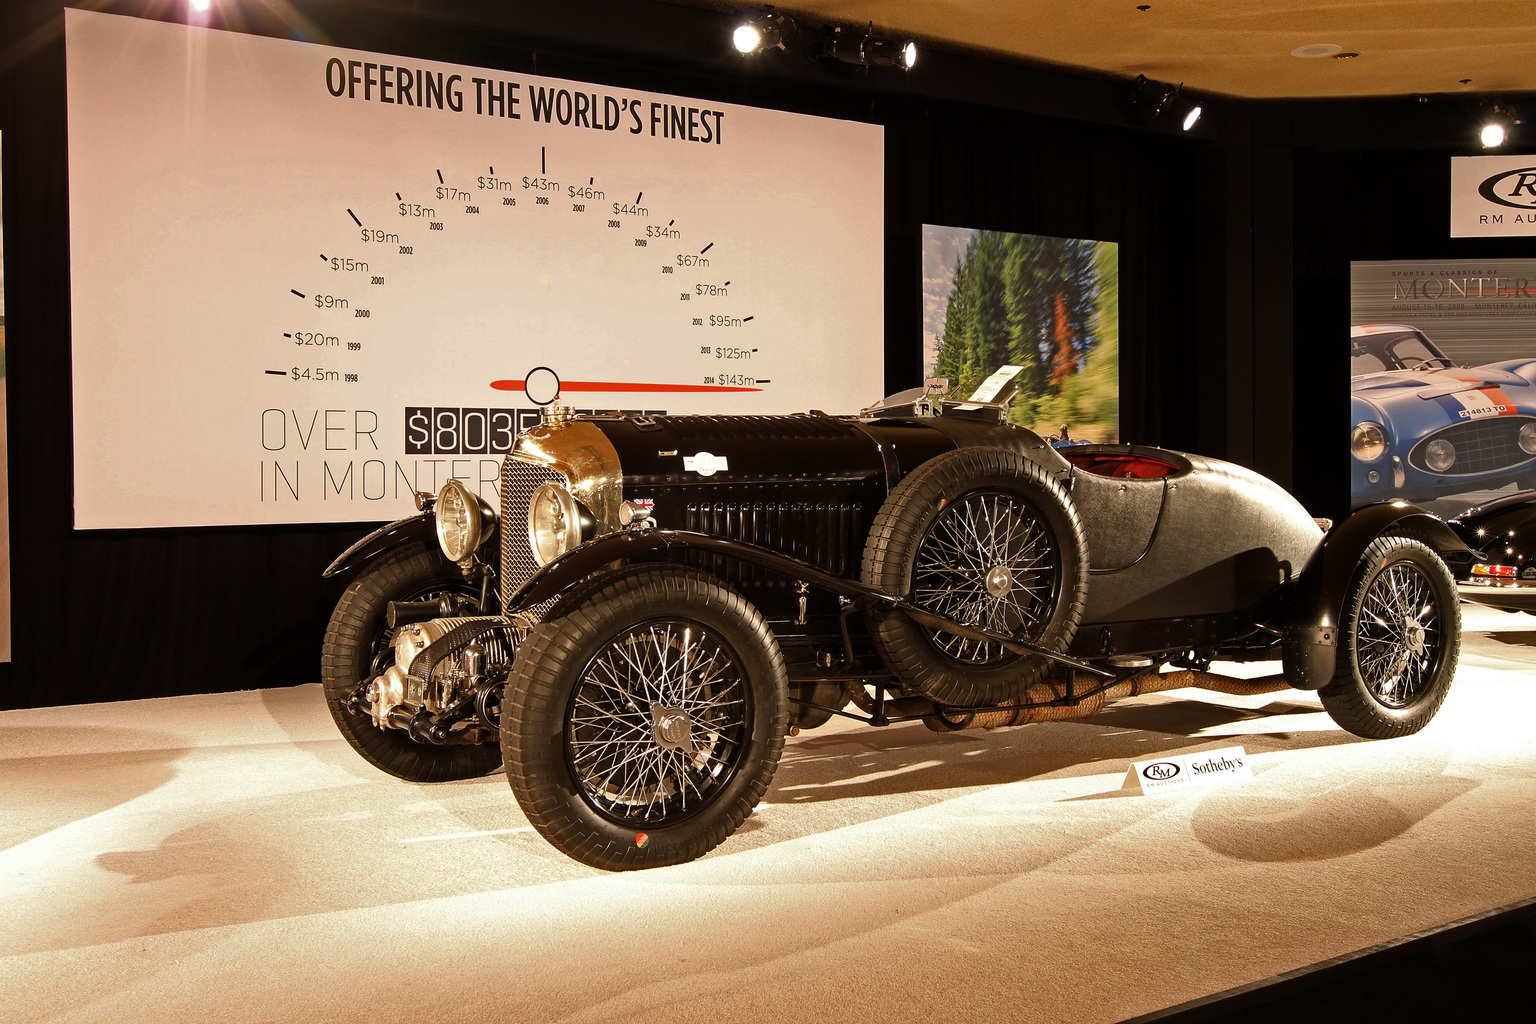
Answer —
672 728
1414 636
999 581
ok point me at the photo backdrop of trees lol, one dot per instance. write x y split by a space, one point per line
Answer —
1049 305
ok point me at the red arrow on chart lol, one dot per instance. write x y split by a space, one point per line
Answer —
611 385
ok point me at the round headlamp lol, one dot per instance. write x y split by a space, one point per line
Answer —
557 523
460 522
1368 443
1528 438
1439 455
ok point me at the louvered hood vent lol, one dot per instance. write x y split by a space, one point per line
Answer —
830 536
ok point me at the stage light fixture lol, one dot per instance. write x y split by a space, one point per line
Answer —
870 50
766 31
1188 113
1161 99
199 13
1499 119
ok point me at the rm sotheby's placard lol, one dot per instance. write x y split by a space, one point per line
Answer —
1493 196
1209 767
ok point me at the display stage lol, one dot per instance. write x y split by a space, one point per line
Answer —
229 858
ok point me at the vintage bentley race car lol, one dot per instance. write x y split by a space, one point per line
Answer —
1424 427
659 601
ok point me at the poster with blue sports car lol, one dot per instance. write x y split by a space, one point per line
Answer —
1442 381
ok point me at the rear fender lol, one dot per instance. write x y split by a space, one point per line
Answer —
1316 607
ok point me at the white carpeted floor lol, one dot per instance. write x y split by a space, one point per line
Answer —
228 858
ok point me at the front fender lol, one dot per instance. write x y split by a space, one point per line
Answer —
576 565
1310 627
419 527
390 535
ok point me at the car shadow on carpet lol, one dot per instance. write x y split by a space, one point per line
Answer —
46 792
910 759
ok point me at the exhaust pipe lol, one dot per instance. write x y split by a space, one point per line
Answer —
1043 694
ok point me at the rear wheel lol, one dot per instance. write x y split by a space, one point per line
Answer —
988 538
357 648
648 719
1399 639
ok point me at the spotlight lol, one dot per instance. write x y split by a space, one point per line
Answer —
764 32
871 50
1498 120
200 6
1191 112
1159 99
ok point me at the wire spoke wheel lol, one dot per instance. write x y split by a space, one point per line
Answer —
987 538
648 717
1400 637
657 723
987 561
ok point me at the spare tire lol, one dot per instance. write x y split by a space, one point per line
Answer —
988 538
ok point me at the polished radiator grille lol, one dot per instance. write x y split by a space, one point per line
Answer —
827 535
1482 446
518 482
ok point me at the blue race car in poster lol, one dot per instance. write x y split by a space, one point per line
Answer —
1424 427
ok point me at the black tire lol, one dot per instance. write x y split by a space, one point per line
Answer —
649 775
357 648
1023 571
1399 639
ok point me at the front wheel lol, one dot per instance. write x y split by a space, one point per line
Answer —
1399 639
647 720
357 648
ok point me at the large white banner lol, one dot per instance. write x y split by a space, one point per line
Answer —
1493 196
308 281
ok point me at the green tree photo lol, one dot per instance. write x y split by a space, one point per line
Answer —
1049 305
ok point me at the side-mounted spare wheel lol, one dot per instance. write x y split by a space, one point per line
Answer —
1399 639
645 718
357 648
988 538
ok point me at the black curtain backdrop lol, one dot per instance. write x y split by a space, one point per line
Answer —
1234 247
1388 202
